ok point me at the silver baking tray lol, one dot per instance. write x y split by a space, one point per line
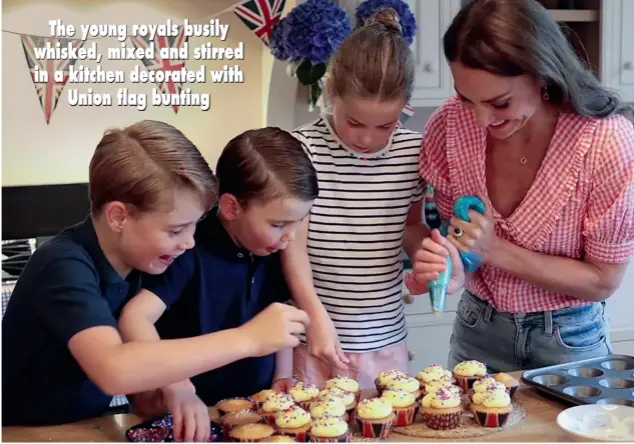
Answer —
604 380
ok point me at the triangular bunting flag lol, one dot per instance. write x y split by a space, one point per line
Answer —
48 84
260 16
160 64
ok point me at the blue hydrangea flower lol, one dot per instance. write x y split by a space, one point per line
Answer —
406 17
312 31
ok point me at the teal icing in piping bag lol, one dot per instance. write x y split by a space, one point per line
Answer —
438 288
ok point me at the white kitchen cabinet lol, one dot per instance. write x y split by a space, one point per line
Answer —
433 84
617 54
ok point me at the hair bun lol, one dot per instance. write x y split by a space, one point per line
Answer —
386 17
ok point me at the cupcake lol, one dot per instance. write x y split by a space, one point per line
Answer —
214 415
386 376
242 417
509 382
346 384
330 429
294 422
404 406
304 394
259 398
493 409
433 373
328 407
468 372
274 404
484 386
442 409
251 433
447 383
349 399
281 438
406 384
375 417
234 405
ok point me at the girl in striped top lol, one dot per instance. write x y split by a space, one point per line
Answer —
533 132
346 269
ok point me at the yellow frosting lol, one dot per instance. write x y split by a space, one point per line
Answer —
442 398
493 399
332 407
304 392
505 378
470 368
293 418
398 398
388 375
277 402
374 408
433 373
348 398
488 384
329 427
261 396
344 383
404 383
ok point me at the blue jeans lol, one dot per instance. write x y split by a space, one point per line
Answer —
522 341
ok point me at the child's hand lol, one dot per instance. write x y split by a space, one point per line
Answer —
190 414
431 260
283 384
148 404
273 329
323 342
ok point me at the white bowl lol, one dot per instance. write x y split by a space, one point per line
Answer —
599 422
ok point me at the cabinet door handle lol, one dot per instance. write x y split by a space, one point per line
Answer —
408 298
627 66
428 67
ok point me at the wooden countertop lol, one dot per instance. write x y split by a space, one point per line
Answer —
539 425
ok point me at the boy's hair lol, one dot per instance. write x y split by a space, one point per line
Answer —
517 37
375 61
266 164
142 164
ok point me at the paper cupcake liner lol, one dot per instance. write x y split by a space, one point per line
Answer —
233 439
512 390
486 419
379 387
269 418
299 437
375 430
350 415
347 437
442 421
466 382
405 417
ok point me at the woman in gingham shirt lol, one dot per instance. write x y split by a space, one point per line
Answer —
549 150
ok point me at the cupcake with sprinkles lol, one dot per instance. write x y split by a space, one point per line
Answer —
242 417
442 409
294 422
328 407
484 386
433 372
492 409
234 405
349 399
384 377
404 406
304 394
468 372
375 417
346 384
251 433
405 384
274 404
447 383
259 398
330 429
509 382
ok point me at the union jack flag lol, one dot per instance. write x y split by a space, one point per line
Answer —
160 64
261 16
50 90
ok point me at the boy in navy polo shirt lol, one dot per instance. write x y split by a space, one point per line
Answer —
267 187
63 358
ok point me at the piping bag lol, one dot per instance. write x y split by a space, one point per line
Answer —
438 288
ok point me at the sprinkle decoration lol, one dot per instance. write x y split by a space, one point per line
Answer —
162 430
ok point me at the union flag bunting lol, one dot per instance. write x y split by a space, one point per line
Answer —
260 16
48 84
160 64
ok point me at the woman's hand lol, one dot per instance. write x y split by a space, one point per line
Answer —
323 342
477 236
189 413
431 260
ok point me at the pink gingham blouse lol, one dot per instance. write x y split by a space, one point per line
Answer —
581 203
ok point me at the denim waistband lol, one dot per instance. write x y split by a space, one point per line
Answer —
548 318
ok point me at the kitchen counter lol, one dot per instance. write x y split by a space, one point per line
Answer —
539 425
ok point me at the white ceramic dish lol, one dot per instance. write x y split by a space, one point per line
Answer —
599 422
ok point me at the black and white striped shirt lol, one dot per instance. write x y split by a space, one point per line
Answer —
356 229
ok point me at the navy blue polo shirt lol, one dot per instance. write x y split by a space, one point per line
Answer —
217 286
67 286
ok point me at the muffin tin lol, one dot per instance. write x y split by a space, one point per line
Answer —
604 380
